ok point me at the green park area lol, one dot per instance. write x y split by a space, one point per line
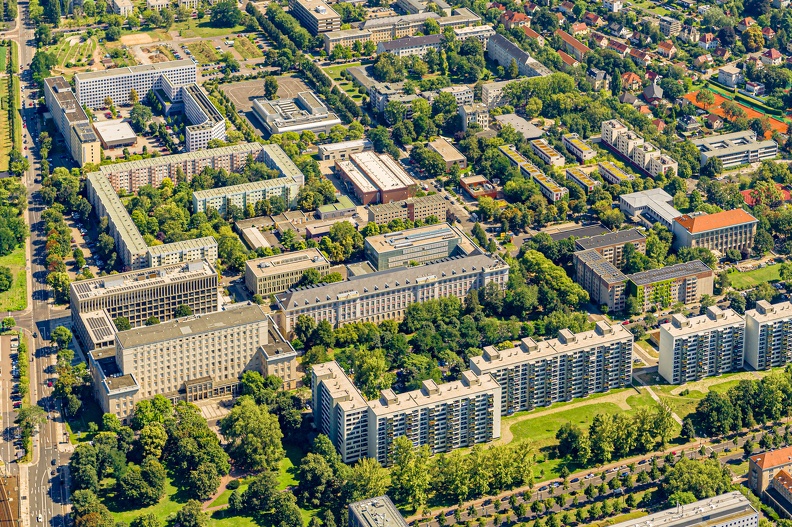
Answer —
74 52
204 29
749 279
247 49
203 52
15 299
6 141
334 72
3 57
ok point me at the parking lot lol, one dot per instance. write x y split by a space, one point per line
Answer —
81 238
9 376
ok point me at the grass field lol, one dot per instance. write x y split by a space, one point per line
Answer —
753 278
3 57
204 52
78 428
247 49
15 299
204 29
335 73
74 54
6 141
165 50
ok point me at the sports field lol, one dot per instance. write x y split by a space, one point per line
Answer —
753 278
750 113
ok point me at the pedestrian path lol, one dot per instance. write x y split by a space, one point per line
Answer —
655 397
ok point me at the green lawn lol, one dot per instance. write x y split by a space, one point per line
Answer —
204 29
682 405
202 51
15 299
288 467
78 428
753 278
3 57
246 48
348 86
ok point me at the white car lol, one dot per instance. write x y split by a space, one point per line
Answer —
40 518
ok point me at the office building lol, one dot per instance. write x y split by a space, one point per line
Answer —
190 359
481 33
416 246
409 46
206 121
536 374
375 178
131 175
581 179
342 208
611 244
245 194
768 335
549 188
477 113
276 274
670 27
304 112
395 27
763 467
656 205
71 121
578 148
375 512
444 417
727 510
315 15
184 251
692 348
385 295
412 7
684 282
737 148
617 138
333 151
450 155
93 87
492 93
138 295
722 231
344 37
547 153
503 51
613 174
413 209
604 282
115 134
462 94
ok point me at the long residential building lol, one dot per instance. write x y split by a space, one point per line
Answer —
409 46
632 147
547 153
578 147
722 231
385 295
611 244
574 365
185 251
72 121
612 173
138 295
768 335
605 283
503 51
737 148
581 179
276 274
245 194
703 346
683 282
413 209
206 121
192 358
727 510
549 188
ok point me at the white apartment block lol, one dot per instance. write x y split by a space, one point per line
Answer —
474 113
492 93
632 147
157 5
768 335
703 346
191 4
122 7
578 147
549 188
245 194
481 33
727 510
72 121
344 37
206 121
536 374
185 251
547 153
92 88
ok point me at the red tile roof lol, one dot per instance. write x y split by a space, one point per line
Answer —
774 458
711 222
784 479
748 197
572 41
568 59
531 33
772 54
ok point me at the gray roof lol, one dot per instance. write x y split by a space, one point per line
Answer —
653 91
669 273
509 47
602 267
409 42
528 130
393 20
610 238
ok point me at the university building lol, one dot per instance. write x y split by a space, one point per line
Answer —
417 246
722 231
413 209
276 274
72 121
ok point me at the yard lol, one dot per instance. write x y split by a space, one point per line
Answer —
246 48
15 299
749 279
348 86
204 29
203 52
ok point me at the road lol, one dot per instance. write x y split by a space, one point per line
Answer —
42 494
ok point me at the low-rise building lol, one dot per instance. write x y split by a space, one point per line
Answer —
547 153
736 148
115 134
343 150
375 178
581 179
478 186
685 282
450 155
275 274
122 7
477 113
342 208
549 188
727 510
157 5
315 15
417 246
523 127
732 229
344 37
413 209
304 112
612 173
578 148
375 512
655 204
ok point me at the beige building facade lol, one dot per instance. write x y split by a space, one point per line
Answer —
276 274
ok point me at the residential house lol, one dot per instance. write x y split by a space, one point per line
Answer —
618 47
772 57
566 7
660 125
598 79
593 20
715 122
756 89
530 8
745 23
688 123
667 49
689 34
599 40
644 110
721 53
618 30
512 19
569 61
533 35
640 58
653 93
631 81
572 45
628 98
703 62
730 76
756 62
707 41
780 4
578 29
640 39
768 33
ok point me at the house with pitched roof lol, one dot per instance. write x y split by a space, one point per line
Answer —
745 23
568 60
572 45
772 57
667 49
763 467
640 58
707 41
512 19
533 35
631 81
579 28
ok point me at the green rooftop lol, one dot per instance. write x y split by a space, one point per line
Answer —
343 203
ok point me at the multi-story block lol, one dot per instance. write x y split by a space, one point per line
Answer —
450 155
722 231
613 174
207 122
703 346
670 27
375 512
138 295
617 138
123 7
482 33
503 51
185 251
574 365
375 178
611 244
275 274
572 45
416 246
474 113
492 93
606 285
549 188
684 282
731 76
655 204
444 417
344 149
768 335
737 148
727 510
157 5
578 148
581 179
344 37
420 6
413 209
385 295
71 121
408 46
462 94
245 194
298 114
547 153
315 15
762 468
395 27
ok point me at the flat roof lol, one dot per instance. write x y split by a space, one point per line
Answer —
610 238
670 272
410 42
390 21
189 326
377 512
442 146
184 245
99 326
614 171
175 159
355 143
117 212
543 146
357 177
725 144
338 384
382 170
398 205
115 131
318 9
242 188
767 312
520 125
603 268
644 197
343 203
725 509
131 70
714 318
286 262
428 234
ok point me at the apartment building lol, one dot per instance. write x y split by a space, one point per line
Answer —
413 209
613 174
420 6
477 113
762 468
375 178
684 282
503 51
409 46
611 244
385 295
768 335
306 112
462 94
122 7
417 246
547 153
481 33
736 148
573 46
722 231
138 295
71 121
276 274
670 27
157 5
191 358
581 179
574 365
617 138
132 175
492 93
184 251
604 282
93 87
444 417
245 194
727 510
692 348
206 121
549 188
344 37
375 512
315 15
578 148
450 155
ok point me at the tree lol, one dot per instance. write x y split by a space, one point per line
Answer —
29 417
59 282
152 440
191 515
702 478
152 321
139 116
6 279
514 71
122 324
270 87
9 322
712 168
225 14
133 97
705 97
182 310
315 479
410 474
366 479
752 38
146 520
61 336
254 435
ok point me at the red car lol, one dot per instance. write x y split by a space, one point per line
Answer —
17 404
49 384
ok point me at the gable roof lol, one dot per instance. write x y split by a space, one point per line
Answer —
572 41
772 53
774 458
409 42
711 222
568 59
